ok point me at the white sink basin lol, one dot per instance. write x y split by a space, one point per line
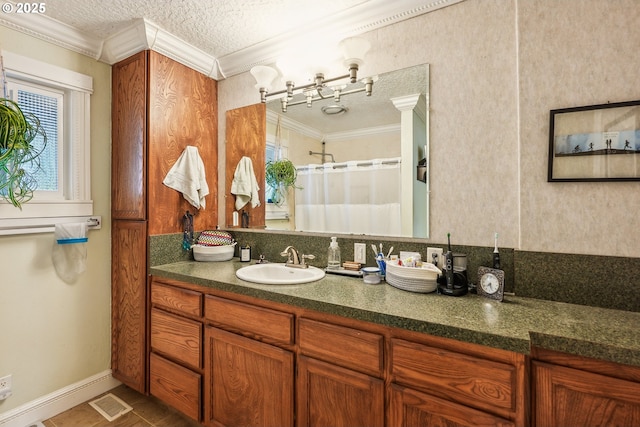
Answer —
279 274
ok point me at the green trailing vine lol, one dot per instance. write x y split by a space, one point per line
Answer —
280 175
18 154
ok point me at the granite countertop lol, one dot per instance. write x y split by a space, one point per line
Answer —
515 324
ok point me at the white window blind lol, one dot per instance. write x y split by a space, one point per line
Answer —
47 107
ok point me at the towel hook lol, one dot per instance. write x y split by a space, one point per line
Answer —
187 231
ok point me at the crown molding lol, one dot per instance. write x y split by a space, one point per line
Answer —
144 34
359 133
272 117
357 20
52 31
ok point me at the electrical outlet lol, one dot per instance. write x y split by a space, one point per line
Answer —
360 253
438 260
5 383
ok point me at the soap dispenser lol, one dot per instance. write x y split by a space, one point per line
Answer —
333 255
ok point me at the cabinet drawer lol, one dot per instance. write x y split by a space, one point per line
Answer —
175 385
176 337
456 376
182 300
347 347
258 322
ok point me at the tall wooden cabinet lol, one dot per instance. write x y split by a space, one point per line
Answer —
158 108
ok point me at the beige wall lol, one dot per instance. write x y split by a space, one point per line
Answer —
496 69
54 334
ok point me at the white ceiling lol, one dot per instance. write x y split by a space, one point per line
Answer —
218 37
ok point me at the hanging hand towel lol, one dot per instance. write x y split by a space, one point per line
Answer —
245 185
70 250
188 177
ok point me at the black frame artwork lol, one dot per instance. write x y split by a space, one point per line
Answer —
595 143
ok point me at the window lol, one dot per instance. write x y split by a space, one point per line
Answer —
60 99
47 105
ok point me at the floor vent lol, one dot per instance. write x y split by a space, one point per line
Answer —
110 406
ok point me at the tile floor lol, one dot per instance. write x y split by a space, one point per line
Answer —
147 412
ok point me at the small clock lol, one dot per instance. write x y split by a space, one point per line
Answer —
491 283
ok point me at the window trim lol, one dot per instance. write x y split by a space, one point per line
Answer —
77 171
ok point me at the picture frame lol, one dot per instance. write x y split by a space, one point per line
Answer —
595 143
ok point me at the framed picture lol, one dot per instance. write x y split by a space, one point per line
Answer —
595 143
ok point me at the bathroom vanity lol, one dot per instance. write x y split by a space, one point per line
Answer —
340 352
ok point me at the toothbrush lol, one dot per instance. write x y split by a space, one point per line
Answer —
375 251
496 254
389 253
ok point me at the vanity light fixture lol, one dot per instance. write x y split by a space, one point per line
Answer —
353 51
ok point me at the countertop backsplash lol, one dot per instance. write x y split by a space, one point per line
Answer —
597 281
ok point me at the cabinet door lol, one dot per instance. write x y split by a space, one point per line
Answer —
570 397
128 302
182 111
249 383
332 396
129 138
408 407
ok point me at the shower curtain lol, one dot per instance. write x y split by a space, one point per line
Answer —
359 197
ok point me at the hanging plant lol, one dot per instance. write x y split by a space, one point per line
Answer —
280 175
18 154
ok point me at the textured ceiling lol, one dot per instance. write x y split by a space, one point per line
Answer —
218 27
232 34
219 38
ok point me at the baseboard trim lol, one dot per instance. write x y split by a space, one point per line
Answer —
59 401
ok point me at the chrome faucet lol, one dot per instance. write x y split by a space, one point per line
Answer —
292 254
294 259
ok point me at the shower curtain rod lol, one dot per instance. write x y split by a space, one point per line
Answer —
346 164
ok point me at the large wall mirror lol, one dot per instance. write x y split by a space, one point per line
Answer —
361 162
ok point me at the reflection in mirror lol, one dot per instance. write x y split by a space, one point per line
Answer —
357 159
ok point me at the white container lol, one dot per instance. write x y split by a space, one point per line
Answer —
371 275
414 279
213 253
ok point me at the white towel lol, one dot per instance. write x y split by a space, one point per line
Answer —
188 177
245 185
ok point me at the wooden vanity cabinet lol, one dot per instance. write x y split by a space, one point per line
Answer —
249 365
159 107
409 407
269 364
575 391
435 381
175 360
340 376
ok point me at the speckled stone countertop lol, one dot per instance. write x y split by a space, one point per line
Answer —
515 324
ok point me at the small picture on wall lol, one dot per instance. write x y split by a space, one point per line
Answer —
595 143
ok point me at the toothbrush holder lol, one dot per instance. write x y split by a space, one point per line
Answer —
382 265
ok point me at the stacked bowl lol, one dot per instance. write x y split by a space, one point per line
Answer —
422 279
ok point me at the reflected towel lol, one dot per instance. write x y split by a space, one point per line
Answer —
187 176
245 185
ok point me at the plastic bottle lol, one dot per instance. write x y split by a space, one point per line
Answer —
333 255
